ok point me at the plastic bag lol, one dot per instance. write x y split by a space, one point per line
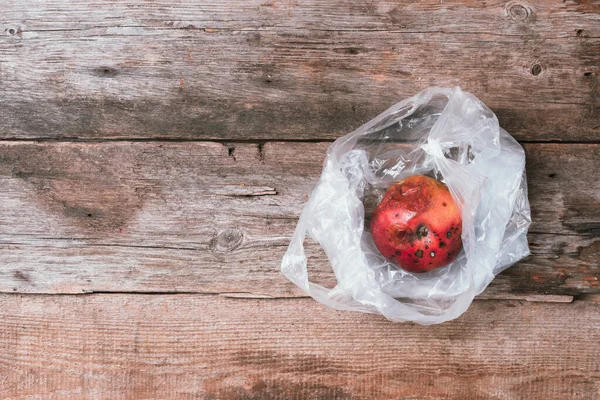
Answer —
441 132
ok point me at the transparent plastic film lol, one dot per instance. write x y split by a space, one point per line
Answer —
444 133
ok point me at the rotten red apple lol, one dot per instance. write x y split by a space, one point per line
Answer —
417 225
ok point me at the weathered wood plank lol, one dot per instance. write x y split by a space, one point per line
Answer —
206 347
213 218
288 70
501 17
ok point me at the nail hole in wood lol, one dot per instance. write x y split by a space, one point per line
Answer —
536 69
579 32
105 72
12 31
231 152
552 175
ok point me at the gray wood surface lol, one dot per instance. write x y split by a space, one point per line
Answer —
204 125
289 69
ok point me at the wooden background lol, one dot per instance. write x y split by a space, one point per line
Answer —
155 156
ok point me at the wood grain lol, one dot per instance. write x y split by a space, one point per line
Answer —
205 224
204 347
290 70
211 218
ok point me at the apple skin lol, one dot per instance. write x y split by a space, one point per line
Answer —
417 225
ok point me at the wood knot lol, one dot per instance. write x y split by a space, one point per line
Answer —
227 240
14 31
518 12
536 69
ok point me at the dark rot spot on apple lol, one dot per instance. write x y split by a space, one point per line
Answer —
398 253
442 244
416 261
419 253
426 247
444 204
432 254
421 231
448 234
396 215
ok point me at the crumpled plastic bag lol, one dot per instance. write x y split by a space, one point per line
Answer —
445 133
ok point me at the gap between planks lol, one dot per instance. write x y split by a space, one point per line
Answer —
533 298
257 140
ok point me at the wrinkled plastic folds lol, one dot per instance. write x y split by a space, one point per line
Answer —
445 133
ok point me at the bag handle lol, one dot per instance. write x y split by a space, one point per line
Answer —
295 267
